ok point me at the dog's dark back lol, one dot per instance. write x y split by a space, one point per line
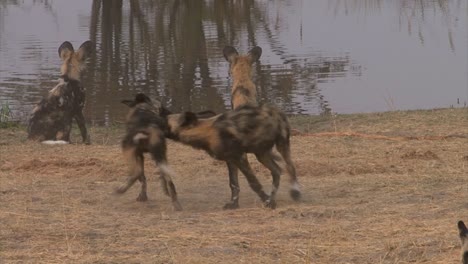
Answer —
248 129
148 120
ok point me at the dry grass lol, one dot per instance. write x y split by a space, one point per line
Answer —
366 200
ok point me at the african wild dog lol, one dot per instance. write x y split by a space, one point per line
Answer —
243 90
229 136
52 118
464 241
146 128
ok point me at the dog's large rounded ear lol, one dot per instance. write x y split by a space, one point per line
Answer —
142 98
85 50
189 118
129 103
65 50
230 53
255 53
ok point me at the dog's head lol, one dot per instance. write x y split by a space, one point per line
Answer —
74 62
186 120
141 98
178 122
241 63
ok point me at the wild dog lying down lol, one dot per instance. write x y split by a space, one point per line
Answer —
52 118
146 128
229 136
464 241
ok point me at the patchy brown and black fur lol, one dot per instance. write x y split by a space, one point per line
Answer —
243 89
243 92
463 232
52 118
146 129
229 136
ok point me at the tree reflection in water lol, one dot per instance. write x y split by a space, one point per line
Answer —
171 49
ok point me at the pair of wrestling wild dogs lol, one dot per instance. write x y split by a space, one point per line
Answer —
248 128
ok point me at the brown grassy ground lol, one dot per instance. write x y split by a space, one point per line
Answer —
365 200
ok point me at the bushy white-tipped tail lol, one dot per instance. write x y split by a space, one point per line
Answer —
165 169
138 137
55 142
295 191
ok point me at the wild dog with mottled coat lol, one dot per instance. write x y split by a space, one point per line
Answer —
146 129
464 241
243 92
229 136
52 118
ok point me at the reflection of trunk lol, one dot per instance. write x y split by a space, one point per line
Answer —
248 5
117 35
94 20
162 48
308 73
187 52
145 39
111 27
107 64
220 13
167 53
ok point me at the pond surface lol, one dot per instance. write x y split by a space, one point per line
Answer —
340 56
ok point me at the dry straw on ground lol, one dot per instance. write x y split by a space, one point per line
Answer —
366 199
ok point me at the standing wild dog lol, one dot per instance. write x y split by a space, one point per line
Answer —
52 118
243 92
243 89
464 241
229 136
146 128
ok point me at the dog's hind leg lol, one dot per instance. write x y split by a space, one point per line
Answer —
268 160
135 161
166 173
243 164
284 149
159 155
142 197
163 183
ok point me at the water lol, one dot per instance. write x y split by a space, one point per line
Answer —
318 57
